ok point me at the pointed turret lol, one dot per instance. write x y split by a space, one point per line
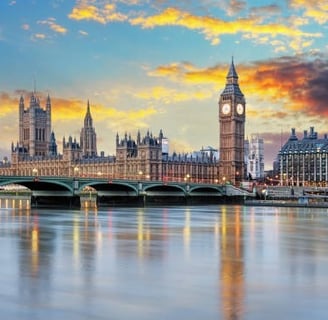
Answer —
232 86
88 137
232 71
48 103
21 102
117 139
88 118
21 119
52 145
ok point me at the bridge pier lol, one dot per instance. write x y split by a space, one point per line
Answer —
142 199
10 200
88 200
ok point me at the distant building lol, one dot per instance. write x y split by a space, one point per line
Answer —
88 138
304 161
145 158
35 136
254 157
207 151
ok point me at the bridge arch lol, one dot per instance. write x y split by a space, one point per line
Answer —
164 188
214 190
34 184
113 186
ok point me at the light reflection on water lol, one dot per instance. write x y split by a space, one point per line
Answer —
210 262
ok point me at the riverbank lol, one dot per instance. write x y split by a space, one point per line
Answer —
286 203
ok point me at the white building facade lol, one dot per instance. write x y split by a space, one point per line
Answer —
254 157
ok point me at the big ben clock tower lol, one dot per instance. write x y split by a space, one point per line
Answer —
232 130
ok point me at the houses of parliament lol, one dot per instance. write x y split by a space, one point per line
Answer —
143 157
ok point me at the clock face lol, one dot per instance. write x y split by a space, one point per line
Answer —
226 108
240 108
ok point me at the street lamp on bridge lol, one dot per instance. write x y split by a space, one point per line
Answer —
140 173
76 175
186 179
35 174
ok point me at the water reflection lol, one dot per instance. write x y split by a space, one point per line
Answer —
36 248
232 264
215 262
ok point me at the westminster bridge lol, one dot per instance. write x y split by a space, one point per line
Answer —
91 192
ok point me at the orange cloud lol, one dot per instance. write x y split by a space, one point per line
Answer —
295 83
8 104
317 10
189 73
213 28
68 115
65 110
86 10
168 96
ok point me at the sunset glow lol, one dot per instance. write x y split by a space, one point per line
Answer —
151 65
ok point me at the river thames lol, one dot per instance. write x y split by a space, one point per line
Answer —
198 262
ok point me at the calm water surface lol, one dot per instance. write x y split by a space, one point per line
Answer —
213 262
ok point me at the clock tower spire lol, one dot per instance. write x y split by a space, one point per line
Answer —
232 130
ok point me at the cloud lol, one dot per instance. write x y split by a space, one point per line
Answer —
272 144
8 103
296 83
39 36
234 7
265 10
87 10
68 115
213 28
298 21
67 110
83 33
253 27
316 10
189 73
53 26
169 96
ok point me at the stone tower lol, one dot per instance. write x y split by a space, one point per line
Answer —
34 127
232 130
88 138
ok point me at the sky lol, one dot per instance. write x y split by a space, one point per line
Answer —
162 64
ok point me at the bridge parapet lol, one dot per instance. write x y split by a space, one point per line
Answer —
231 190
91 191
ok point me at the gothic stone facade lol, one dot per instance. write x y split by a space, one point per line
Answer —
142 158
